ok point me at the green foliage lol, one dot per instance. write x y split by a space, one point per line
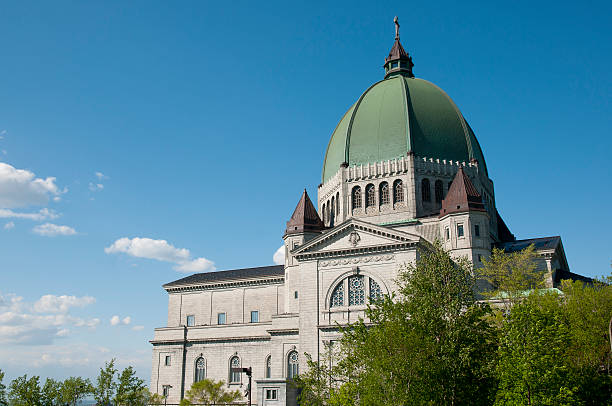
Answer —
3 397
75 389
25 392
130 389
104 391
208 391
51 393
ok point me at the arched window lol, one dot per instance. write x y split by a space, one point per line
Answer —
293 366
384 193
439 190
332 214
327 211
356 294
370 195
269 366
375 291
200 370
356 197
337 297
398 191
425 190
234 375
323 213
338 204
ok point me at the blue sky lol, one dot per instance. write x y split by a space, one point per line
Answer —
199 124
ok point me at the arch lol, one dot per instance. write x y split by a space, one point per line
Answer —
340 280
425 190
337 297
268 368
383 192
398 191
439 191
356 197
375 291
337 204
370 195
323 213
332 214
200 369
293 364
234 376
327 211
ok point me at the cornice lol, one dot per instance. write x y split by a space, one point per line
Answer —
232 284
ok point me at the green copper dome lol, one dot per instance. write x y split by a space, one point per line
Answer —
399 115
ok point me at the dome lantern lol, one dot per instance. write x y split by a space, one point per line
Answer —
398 60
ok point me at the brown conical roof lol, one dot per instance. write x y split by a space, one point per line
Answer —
305 217
462 196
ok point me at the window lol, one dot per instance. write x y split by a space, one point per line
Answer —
479 258
370 195
293 367
221 318
255 316
447 233
269 366
384 193
439 191
460 230
323 213
394 65
190 320
166 390
356 294
234 375
167 360
271 394
398 191
356 197
375 292
337 204
337 297
477 230
295 295
425 190
200 370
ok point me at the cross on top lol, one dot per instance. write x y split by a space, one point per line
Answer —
396 21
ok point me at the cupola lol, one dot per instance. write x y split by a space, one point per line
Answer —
398 60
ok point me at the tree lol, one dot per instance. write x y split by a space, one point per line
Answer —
51 393
104 391
3 397
130 389
25 392
431 344
75 389
208 391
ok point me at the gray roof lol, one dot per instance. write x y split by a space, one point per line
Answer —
262 272
544 243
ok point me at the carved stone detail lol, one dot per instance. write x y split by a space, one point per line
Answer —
356 260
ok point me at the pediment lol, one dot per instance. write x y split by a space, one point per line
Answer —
356 236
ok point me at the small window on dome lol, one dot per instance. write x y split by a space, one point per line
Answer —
394 65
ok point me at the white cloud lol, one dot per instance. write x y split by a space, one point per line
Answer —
21 188
115 320
279 256
138 328
95 187
9 225
42 214
63 332
160 250
61 304
126 320
52 230
101 176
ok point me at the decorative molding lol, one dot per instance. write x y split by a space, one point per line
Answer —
356 260
222 285
354 238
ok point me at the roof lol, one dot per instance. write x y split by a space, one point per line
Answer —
544 243
462 196
262 272
305 217
397 116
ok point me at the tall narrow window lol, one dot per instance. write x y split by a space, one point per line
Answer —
460 230
337 204
337 297
439 189
356 290
323 214
425 190
234 375
398 191
370 195
327 211
477 230
190 320
166 390
167 360
356 197
384 193
375 291
200 370
221 318
269 366
293 367
332 213
255 316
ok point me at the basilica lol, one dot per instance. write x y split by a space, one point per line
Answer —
402 169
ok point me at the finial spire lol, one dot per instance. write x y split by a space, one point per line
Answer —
396 21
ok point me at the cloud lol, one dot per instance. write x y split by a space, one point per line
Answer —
96 187
138 328
52 230
160 250
279 256
126 320
101 176
115 320
41 322
9 225
42 214
21 188
61 304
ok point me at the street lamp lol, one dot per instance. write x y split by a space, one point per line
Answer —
166 393
249 372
